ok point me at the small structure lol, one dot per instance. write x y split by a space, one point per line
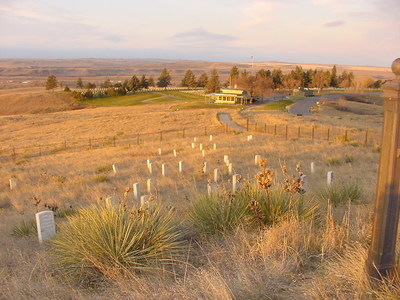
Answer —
229 96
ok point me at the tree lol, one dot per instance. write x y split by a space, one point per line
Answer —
79 83
233 76
347 79
151 81
51 82
321 79
277 78
203 80
262 86
133 84
107 84
334 79
164 79
213 85
143 83
189 80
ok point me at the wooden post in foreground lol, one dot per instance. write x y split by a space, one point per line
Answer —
382 253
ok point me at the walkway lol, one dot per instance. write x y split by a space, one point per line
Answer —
226 119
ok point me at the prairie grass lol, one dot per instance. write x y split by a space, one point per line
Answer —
281 260
341 193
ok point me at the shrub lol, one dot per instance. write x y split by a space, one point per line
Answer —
110 242
333 161
103 169
25 229
217 213
341 193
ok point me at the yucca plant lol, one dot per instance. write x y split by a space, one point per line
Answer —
112 242
341 193
25 229
217 213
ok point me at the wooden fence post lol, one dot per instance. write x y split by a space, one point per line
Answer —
286 132
247 124
275 130
138 138
183 132
312 133
345 135
114 140
205 130
161 136
298 132
366 138
14 154
328 135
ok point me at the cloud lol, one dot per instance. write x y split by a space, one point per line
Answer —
201 36
335 23
256 12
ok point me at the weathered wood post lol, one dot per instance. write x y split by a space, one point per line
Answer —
381 256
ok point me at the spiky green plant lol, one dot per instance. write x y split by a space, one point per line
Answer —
25 229
341 193
217 213
110 242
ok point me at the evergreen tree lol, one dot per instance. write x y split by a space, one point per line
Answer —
233 76
164 79
277 78
203 80
51 82
143 83
213 85
189 80
151 81
334 79
133 84
79 83
107 84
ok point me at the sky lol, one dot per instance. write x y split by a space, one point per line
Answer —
352 32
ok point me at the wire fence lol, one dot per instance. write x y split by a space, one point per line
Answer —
365 137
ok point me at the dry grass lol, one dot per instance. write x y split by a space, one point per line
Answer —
279 262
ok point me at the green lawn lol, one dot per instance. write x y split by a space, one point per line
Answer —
278 105
127 100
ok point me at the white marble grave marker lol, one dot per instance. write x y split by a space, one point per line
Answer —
215 146
226 158
181 166
149 185
143 200
312 167
164 170
13 183
249 138
303 180
115 169
174 152
45 225
201 147
193 145
211 138
329 177
148 163
159 151
136 191
194 139
151 168
216 175
203 153
204 169
257 159
211 188
235 182
230 169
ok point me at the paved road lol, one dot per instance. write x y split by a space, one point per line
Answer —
303 106
226 119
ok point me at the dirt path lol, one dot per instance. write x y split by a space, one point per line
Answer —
226 119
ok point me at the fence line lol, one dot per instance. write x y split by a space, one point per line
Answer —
330 134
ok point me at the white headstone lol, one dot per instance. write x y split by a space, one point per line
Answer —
149 185
201 147
303 180
257 159
210 188
215 146
181 166
203 153
235 182
159 151
115 168
204 169
216 175
194 139
13 183
227 162
148 163
143 200
226 158
312 167
230 169
111 201
174 152
193 145
151 168
211 138
45 225
164 170
329 177
136 191
249 137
